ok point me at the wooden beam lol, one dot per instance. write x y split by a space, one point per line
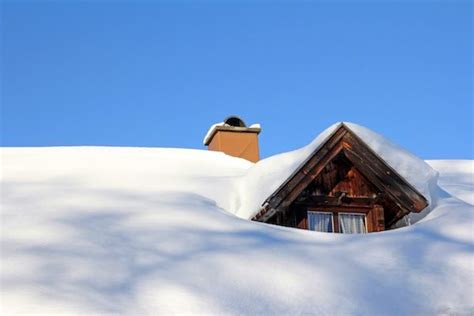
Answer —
341 208
334 200
306 168
310 176
382 175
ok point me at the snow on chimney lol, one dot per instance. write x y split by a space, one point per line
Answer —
234 138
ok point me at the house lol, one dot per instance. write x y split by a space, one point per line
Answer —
343 186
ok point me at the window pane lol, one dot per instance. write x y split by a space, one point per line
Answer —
352 223
321 222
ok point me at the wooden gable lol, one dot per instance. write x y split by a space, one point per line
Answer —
344 163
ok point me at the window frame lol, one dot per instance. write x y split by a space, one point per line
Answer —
322 212
368 211
352 213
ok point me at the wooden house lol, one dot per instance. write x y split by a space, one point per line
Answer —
342 187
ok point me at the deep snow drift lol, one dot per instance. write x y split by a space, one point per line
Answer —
132 230
456 177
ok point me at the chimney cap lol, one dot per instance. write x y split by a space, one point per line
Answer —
235 121
231 124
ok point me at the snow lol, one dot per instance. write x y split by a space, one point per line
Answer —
456 177
101 230
210 132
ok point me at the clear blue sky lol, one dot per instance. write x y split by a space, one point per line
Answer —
158 74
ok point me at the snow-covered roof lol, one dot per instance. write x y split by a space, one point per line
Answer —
150 231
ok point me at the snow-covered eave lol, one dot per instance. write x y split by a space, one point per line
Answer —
392 169
292 175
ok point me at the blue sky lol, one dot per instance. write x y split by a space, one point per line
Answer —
158 74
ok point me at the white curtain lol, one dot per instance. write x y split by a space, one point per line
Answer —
352 223
321 222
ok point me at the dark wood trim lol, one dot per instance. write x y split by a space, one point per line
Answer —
338 208
307 168
383 176
292 194
374 168
378 219
342 201
400 214
336 222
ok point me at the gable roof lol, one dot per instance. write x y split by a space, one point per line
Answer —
366 160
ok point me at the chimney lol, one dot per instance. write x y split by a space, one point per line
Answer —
234 138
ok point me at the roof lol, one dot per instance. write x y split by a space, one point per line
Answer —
101 230
344 140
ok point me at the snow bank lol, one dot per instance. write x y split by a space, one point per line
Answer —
456 177
268 174
98 230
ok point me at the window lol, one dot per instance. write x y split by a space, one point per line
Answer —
350 223
321 221
337 222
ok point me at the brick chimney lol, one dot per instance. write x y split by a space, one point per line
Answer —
234 138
